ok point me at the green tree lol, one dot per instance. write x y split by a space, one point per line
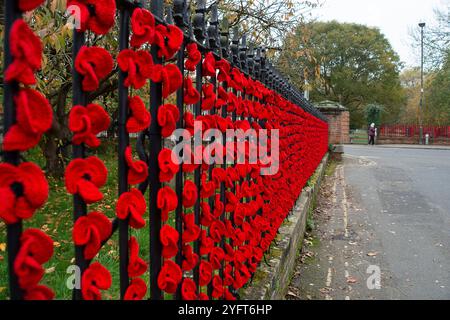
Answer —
437 96
352 64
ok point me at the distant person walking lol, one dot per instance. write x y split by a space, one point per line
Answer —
372 133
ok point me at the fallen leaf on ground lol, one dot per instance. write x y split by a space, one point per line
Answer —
372 254
351 279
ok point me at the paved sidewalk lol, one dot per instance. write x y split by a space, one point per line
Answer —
409 146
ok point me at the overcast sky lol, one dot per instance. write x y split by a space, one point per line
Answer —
394 18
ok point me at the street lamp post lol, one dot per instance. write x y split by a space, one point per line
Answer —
422 26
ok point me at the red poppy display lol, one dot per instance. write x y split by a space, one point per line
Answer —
170 77
190 259
36 248
137 170
169 240
86 123
217 285
168 115
95 15
138 66
94 64
26 51
188 289
136 265
39 292
94 279
209 97
166 201
191 230
85 177
190 194
90 231
132 205
23 190
169 277
190 93
169 39
205 273
209 65
194 56
168 169
143 27
136 290
28 5
33 118
140 117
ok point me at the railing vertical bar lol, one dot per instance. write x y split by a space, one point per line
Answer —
123 144
156 7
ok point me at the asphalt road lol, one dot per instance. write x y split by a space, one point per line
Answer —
406 194
386 208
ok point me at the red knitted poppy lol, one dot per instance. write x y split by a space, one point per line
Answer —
169 75
136 290
169 277
39 292
90 231
169 39
205 270
94 279
191 230
132 205
224 68
190 194
167 167
28 5
209 65
138 66
94 64
208 187
188 289
136 265
228 295
191 259
169 240
194 56
26 50
217 230
86 123
191 95
34 117
209 97
95 15
23 189
168 115
36 248
137 170
140 117
85 177
216 257
189 123
217 285
166 201
206 243
143 26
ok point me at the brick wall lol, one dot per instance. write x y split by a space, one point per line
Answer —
339 127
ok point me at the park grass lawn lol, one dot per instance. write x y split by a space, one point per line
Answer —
55 218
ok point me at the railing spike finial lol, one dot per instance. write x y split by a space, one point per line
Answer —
199 24
213 32
224 37
243 53
180 13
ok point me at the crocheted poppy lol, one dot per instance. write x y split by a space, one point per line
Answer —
224 68
217 285
28 5
195 156
209 65
209 97
90 231
169 277
26 50
169 240
34 117
94 279
169 75
194 56
94 64
132 205
169 39
208 187
205 270
95 15
36 248
217 230
188 118
206 243
138 66
188 289
140 118
191 95
190 194
85 177
137 170
216 257
23 189
228 295
86 123
191 230
166 201
168 115
143 27
136 265
39 292
168 169
190 259
136 290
